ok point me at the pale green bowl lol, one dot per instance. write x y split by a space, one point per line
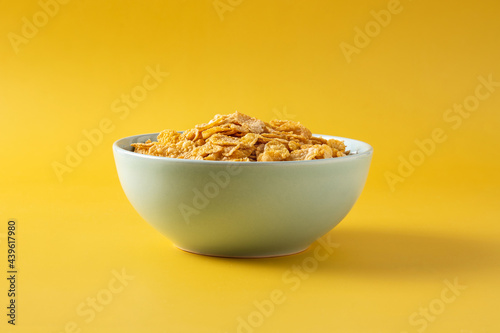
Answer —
242 209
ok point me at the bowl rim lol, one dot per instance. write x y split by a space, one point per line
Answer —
121 150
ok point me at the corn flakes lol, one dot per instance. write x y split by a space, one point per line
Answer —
239 137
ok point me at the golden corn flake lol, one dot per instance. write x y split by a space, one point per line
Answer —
168 137
239 137
223 140
274 151
291 126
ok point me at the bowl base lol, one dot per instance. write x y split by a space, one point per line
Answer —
242 256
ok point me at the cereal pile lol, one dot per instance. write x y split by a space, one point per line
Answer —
238 137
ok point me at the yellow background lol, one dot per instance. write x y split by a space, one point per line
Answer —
269 59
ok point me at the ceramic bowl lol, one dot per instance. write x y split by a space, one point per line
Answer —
242 209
